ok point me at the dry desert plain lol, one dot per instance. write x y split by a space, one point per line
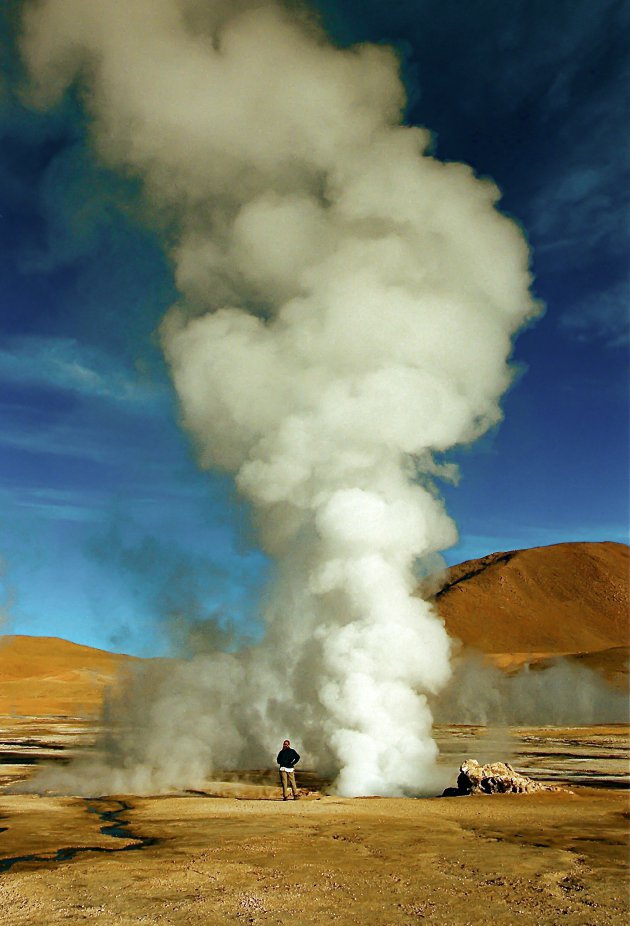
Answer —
238 854
235 853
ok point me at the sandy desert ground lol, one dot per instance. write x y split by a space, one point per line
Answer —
247 857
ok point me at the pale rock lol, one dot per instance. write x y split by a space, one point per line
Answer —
495 778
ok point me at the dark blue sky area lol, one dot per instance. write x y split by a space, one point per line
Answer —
110 535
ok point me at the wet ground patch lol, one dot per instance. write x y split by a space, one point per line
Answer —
114 826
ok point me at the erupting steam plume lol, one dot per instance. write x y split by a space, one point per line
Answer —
347 307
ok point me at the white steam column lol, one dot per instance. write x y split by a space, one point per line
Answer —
347 308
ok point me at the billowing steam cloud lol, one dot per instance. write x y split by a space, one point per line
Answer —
347 307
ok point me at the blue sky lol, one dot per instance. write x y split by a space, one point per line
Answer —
108 529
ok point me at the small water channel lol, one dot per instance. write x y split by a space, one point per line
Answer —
113 826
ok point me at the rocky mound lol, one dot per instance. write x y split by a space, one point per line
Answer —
495 778
530 605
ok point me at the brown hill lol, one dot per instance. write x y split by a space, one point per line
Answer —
566 599
45 676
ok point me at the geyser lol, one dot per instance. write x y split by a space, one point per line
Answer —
347 308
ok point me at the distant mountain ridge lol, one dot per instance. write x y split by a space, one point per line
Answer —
522 605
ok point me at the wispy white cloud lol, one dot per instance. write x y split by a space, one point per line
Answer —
580 206
604 316
74 438
64 364
579 200
55 504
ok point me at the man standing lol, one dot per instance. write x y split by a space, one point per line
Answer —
287 759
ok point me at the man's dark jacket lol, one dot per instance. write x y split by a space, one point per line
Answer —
287 758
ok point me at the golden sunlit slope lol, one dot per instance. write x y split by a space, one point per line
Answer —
45 676
570 598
